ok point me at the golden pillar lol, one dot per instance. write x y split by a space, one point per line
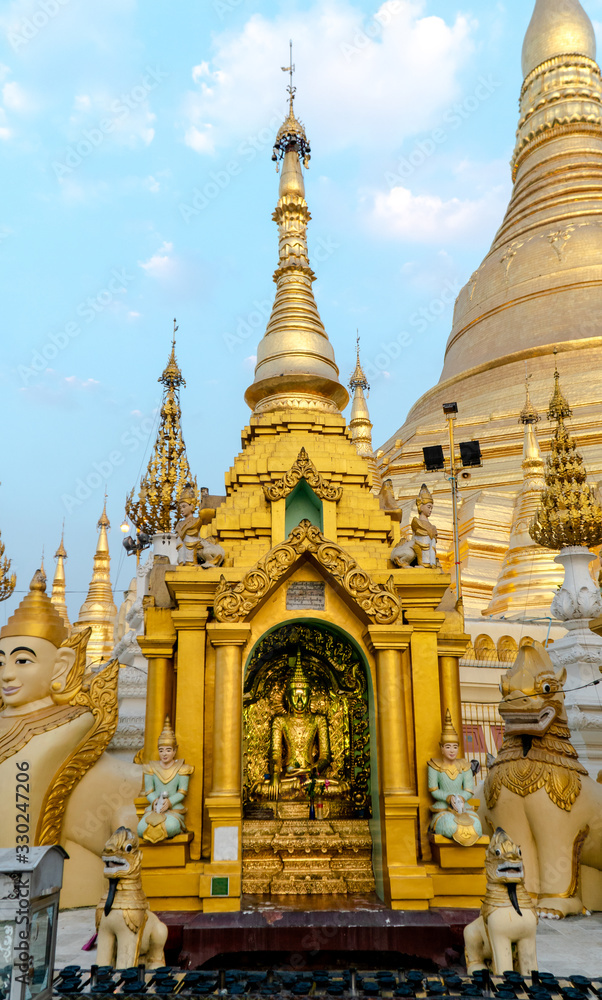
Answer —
450 651
427 700
407 885
190 622
157 645
224 804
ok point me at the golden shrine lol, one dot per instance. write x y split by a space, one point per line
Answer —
306 677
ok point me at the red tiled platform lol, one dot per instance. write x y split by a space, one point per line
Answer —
333 932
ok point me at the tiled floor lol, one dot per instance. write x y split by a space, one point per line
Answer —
564 947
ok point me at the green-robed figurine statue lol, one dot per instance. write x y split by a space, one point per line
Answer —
451 784
165 786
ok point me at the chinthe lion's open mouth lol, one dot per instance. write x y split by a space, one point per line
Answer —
533 723
510 869
114 865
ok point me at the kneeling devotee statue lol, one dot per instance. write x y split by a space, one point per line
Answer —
451 783
299 748
56 720
165 787
421 550
191 547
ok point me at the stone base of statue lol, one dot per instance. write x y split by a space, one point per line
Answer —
461 879
307 857
171 853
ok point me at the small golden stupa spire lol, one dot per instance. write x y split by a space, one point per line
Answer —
529 577
569 513
58 584
155 510
295 360
360 424
98 611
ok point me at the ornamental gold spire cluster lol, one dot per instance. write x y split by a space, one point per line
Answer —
295 360
155 510
98 611
7 583
569 513
58 584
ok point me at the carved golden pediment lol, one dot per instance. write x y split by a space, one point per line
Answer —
302 468
379 602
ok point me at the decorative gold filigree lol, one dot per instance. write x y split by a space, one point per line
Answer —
302 468
551 763
570 513
156 508
378 602
7 583
96 693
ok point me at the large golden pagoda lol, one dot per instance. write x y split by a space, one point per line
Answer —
98 612
306 672
539 287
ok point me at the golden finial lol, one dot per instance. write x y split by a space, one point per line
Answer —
291 134
559 408
569 513
528 414
448 733
358 379
36 615
167 736
156 508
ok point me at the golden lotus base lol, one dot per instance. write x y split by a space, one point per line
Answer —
307 857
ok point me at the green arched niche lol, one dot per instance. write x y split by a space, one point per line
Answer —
302 503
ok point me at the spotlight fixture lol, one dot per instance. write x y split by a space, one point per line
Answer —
433 458
470 452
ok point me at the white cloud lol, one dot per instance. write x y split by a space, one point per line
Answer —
160 265
15 98
427 218
78 383
345 65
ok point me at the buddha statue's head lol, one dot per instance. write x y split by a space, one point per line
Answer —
424 501
449 742
35 667
167 744
187 501
298 688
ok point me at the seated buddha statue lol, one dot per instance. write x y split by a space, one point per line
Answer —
299 748
165 787
56 719
451 785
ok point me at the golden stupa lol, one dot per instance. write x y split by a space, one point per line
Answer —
538 288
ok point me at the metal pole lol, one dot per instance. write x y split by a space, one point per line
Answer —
454 486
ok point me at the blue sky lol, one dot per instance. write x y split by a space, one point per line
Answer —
138 186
